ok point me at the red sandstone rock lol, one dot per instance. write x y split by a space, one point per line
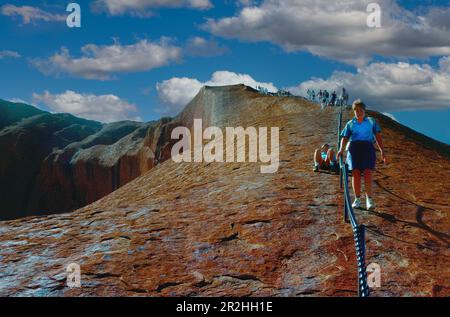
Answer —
225 229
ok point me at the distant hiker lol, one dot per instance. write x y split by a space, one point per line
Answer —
313 96
333 99
361 131
325 159
343 98
324 100
310 94
320 95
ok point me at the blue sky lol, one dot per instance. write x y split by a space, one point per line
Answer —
145 59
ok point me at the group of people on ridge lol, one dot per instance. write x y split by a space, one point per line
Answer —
359 137
326 99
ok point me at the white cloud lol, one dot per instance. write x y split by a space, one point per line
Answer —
17 100
390 115
176 92
391 86
142 8
31 14
12 54
444 64
338 30
439 17
100 62
104 108
199 46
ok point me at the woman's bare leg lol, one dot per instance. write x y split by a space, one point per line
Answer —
356 182
368 182
318 157
330 156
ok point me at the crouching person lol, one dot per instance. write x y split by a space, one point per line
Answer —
325 159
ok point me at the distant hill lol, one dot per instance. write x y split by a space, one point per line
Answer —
53 163
11 112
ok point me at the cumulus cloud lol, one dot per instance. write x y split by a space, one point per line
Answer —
444 64
30 14
338 30
391 86
176 92
104 108
390 115
439 17
19 100
142 8
199 46
101 62
11 54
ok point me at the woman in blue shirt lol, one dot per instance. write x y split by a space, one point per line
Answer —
362 132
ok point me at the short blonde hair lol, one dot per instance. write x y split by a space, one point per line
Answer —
358 103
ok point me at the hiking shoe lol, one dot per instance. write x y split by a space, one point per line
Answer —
316 168
356 203
370 205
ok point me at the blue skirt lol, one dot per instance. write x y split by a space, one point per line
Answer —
361 156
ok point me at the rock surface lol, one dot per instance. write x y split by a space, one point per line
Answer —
225 229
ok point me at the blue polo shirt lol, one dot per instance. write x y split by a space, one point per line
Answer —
364 131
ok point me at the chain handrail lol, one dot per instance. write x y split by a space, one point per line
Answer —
349 216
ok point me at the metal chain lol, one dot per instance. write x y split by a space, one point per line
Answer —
349 216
